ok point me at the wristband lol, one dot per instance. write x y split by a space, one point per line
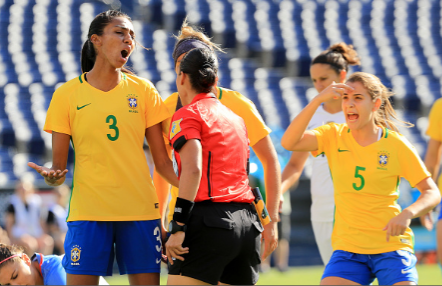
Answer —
183 208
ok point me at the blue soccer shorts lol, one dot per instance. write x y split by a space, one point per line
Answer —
389 268
90 247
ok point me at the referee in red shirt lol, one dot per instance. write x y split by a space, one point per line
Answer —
215 232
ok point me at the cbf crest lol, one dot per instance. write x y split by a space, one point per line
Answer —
175 128
75 254
132 101
383 159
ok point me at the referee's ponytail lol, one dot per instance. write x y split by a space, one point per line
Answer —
202 67
88 52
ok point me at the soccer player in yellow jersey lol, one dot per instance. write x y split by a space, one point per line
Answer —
258 133
107 112
432 161
367 157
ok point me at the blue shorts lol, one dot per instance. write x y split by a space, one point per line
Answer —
90 247
389 268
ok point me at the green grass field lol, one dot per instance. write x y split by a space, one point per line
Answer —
429 274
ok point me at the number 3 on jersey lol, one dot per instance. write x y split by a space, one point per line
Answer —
359 176
114 127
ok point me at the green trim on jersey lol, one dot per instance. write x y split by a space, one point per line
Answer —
386 132
72 186
348 130
220 93
320 154
124 76
81 81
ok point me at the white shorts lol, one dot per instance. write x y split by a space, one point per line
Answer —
323 232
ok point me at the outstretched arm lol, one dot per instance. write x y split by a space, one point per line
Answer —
55 175
432 162
293 170
266 153
296 138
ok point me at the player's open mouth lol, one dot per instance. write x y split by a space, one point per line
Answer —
125 54
352 116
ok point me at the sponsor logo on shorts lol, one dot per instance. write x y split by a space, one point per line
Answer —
75 255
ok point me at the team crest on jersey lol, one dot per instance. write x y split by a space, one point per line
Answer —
383 158
75 254
175 128
132 102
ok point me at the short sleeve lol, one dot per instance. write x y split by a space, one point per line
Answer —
412 167
57 117
322 133
435 121
155 111
244 108
184 126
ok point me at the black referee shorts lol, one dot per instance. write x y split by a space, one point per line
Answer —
224 241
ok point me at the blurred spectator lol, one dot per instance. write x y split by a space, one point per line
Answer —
4 236
56 217
23 221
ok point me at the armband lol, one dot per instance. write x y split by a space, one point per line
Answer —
183 208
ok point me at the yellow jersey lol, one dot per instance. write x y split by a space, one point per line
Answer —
435 128
235 101
111 180
366 183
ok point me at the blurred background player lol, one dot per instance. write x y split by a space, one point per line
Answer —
215 232
56 217
328 67
24 220
371 236
107 112
432 162
257 130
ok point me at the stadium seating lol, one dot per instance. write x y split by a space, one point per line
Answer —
270 45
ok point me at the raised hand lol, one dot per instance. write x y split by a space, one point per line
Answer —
53 176
334 91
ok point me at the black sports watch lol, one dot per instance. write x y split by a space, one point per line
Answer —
174 227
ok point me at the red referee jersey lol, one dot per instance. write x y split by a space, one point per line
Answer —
225 146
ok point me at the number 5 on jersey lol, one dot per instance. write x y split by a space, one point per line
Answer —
359 176
114 127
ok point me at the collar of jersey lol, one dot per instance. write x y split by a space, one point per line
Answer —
82 79
203 96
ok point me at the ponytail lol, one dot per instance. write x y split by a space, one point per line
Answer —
339 56
385 115
87 56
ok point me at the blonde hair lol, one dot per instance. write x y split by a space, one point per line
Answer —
385 115
191 32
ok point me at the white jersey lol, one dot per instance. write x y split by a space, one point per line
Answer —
321 184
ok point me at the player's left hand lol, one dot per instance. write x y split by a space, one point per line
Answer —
270 237
399 224
174 247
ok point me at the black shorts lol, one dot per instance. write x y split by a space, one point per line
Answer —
224 244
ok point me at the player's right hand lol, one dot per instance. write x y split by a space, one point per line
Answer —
334 91
53 177
174 247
